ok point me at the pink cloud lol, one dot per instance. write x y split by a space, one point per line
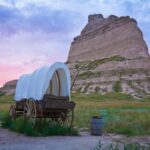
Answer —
25 52
9 72
14 71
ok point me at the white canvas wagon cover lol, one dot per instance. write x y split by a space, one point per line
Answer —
54 80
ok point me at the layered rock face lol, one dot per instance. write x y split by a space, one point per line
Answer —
110 55
103 38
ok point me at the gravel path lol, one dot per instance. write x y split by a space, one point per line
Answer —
13 141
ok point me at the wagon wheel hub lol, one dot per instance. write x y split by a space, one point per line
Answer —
66 118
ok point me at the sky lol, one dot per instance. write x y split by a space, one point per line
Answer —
34 33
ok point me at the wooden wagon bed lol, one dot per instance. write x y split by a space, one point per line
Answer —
58 108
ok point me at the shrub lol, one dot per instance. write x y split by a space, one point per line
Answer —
117 87
97 89
1 94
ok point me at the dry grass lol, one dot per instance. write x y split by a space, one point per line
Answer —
4 107
5 102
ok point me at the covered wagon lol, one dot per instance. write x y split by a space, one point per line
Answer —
45 94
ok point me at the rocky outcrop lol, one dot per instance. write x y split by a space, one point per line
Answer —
103 38
110 55
9 87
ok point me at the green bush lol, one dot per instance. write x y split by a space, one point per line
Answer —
42 127
97 89
1 94
117 87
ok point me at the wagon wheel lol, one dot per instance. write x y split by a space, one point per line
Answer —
30 111
33 116
70 118
39 111
12 112
26 107
67 118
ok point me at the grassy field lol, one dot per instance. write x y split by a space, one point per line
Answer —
121 113
5 102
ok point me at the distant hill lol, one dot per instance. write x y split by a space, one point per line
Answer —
9 87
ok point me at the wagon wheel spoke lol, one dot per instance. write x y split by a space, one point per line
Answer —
30 108
60 119
66 118
33 121
30 111
26 108
12 112
40 110
69 119
33 112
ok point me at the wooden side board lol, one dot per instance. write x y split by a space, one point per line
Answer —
59 104
20 104
49 102
52 97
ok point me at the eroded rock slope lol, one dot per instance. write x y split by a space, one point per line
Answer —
110 55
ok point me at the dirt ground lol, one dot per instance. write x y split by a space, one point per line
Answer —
13 141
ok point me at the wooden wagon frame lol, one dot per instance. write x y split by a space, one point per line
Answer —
53 103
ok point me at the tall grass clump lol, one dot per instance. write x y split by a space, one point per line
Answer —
6 99
43 127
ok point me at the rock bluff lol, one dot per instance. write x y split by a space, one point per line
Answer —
106 37
110 55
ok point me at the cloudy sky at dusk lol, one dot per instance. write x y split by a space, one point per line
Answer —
34 33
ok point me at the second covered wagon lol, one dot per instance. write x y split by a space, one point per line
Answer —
45 94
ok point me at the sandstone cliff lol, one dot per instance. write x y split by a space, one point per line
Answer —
110 55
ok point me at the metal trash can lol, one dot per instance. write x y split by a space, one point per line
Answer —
96 125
